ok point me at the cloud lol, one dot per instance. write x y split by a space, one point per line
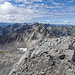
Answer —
56 3
20 13
51 7
59 22
10 12
20 0
28 1
24 1
66 22
71 8
38 0
25 10
7 8
70 1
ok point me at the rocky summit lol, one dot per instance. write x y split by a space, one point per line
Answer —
37 52
53 56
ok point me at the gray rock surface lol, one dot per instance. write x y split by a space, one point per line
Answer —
50 57
45 54
26 39
8 59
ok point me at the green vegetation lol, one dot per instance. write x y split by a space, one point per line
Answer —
63 30
3 52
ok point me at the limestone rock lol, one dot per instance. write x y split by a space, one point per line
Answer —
49 58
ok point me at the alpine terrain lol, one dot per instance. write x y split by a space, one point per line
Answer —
37 49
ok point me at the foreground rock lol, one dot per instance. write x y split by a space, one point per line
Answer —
8 59
53 56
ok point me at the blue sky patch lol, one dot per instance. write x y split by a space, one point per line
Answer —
48 11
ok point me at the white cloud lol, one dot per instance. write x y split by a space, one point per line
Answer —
59 22
7 8
56 3
51 7
20 0
28 1
38 0
71 8
9 12
30 10
71 1
2 1
66 21
13 13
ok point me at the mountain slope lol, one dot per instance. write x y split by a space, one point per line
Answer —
24 38
51 57
45 55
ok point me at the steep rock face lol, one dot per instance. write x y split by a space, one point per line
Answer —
50 57
24 38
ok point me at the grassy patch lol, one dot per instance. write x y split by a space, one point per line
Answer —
3 52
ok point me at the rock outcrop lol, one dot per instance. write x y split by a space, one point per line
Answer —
44 55
51 57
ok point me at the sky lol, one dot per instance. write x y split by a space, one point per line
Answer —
46 11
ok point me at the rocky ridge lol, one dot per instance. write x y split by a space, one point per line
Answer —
45 54
53 56
24 38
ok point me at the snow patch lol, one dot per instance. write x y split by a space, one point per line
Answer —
22 49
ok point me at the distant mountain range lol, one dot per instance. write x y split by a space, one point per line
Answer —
2 24
5 24
57 30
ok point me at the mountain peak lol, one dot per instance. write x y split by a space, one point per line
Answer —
26 34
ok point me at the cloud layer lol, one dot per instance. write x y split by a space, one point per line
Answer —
30 10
